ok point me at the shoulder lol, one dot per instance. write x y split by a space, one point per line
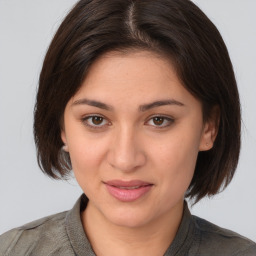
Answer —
41 237
222 241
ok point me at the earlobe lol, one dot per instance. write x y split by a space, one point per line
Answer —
65 148
208 137
210 131
64 140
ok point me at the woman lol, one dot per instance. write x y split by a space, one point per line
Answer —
139 99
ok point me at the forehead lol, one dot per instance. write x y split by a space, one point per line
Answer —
131 66
134 76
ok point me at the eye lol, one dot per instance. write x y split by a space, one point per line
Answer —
95 121
160 121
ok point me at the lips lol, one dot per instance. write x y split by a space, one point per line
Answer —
127 191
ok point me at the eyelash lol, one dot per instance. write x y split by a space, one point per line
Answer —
85 119
166 119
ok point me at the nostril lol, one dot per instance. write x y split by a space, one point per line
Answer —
126 162
125 152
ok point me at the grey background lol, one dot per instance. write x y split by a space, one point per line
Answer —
26 28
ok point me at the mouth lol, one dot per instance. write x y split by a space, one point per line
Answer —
135 187
128 191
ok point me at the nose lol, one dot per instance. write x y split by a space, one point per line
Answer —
126 151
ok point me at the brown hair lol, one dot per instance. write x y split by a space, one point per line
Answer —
176 29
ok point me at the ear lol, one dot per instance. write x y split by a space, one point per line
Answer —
210 130
64 140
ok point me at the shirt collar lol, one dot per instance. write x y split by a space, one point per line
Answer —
75 230
184 236
82 247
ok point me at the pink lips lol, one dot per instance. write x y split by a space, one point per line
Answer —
127 191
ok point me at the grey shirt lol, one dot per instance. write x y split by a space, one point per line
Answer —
63 234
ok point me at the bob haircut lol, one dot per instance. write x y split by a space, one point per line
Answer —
174 29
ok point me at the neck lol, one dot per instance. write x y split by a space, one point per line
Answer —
153 238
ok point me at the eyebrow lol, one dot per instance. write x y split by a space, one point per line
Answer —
142 108
160 103
93 103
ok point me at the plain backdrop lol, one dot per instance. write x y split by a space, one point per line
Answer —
26 29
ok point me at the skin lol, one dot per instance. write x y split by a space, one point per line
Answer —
126 143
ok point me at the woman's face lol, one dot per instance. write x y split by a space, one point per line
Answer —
133 133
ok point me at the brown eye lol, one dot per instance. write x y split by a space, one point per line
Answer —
97 120
158 120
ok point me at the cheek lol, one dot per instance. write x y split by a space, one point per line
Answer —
177 151
176 158
86 156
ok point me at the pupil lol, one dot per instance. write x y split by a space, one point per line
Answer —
158 120
97 120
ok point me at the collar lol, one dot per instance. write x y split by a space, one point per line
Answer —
75 230
185 236
82 247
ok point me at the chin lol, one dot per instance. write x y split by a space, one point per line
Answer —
129 218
